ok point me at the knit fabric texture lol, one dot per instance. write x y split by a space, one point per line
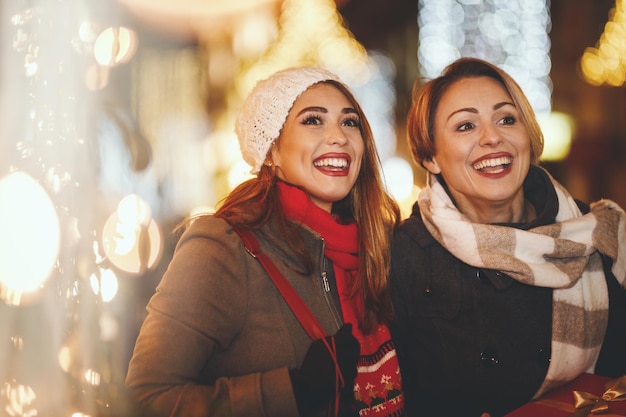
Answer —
263 113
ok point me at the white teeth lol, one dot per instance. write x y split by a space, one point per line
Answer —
331 162
493 162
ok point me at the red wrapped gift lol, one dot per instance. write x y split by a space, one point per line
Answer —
587 395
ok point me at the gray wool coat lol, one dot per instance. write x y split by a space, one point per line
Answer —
218 338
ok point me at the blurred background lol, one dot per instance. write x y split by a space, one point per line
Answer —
117 122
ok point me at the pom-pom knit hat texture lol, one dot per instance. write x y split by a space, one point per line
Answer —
263 113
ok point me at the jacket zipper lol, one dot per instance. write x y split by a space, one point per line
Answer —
325 279
328 295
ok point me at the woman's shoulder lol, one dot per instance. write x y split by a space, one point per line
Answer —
210 227
413 228
206 224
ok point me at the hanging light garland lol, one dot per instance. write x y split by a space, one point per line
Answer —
605 64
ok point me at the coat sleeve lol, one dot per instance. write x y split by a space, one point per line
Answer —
198 309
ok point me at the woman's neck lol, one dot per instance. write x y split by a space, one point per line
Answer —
519 210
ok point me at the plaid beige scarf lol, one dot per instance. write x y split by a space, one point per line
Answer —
564 256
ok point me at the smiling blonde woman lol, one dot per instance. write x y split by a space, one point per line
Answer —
504 285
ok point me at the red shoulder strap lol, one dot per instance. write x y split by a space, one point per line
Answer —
308 321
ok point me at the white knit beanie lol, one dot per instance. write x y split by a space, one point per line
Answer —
263 113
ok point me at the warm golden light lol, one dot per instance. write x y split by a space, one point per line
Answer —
557 130
310 33
109 327
19 399
131 238
406 205
188 9
606 63
92 377
29 242
17 342
398 177
108 285
132 209
65 358
114 46
238 173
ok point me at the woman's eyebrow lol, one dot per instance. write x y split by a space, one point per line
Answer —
313 108
346 110
464 109
474 110
502 104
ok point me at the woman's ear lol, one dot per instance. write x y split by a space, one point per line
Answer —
432 166
272 157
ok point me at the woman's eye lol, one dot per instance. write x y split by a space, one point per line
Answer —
312 120
352 122
508 120
465 126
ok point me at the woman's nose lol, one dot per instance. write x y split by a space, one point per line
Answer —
490 136
336 136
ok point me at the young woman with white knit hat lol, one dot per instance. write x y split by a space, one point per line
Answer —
277 305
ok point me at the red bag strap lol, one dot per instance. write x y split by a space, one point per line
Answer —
308 321
304 314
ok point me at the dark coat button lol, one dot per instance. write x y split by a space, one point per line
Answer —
489 357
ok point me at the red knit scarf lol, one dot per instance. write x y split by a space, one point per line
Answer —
377 386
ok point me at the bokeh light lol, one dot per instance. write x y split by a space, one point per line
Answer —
398 174
29 236
131 239
18 400
92 377
510 34
115 45
558 129
238 173
406 205
605 64
109 327
104 284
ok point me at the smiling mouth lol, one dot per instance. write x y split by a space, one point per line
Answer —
494 165
331 163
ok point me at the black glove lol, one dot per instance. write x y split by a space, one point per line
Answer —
314 382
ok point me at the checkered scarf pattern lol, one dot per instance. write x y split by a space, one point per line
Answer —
564 256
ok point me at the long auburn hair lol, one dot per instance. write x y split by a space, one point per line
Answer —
426 98
254 202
